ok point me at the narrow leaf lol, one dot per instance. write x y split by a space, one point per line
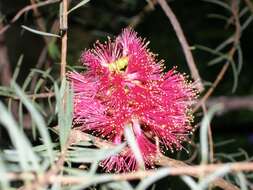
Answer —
204 132
145 183
17 69
4 182
40 32
83 2
39 121
27 158
65 112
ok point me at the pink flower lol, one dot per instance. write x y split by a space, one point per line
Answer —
124 84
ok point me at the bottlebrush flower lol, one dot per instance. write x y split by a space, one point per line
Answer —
125 85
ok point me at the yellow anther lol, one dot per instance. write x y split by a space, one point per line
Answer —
118 65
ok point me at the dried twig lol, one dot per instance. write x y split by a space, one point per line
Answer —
172 171
231 54
181 37
176 168
24 10
161 160
232 103
39 21
64 27
5 68
250 5
138 18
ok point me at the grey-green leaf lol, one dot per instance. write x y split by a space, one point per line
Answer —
83 2
39 32
38 119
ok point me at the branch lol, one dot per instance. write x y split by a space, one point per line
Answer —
250 5
135 20
177 167
231 53
64 27
5 68
24 10
232 103
181 37
171 171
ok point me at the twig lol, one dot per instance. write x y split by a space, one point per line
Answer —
176 167
5 69
135 20
230 54
214 85
64 27
181 37
39 21
172 171
24 10
43 55
161 160
35 96
210 136
232 103
250 5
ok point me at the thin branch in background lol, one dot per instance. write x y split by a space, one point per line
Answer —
24 10
39 21
210 136
63 28
186 48
42 60
232 103
172 171
190 61
231 53
250 5
5 68
135 20
176 167
211 89
76 136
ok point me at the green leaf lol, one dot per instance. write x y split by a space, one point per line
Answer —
190 182
218 16
246 23
65 108
204 132
89 155
242 181
145 183
4 182
220 3
53 50
235 75
27 158
240 59
83 2
217 60
209 50
39 121
40 32
203 184
119 185
17 68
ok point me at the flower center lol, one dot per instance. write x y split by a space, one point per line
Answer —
119 65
